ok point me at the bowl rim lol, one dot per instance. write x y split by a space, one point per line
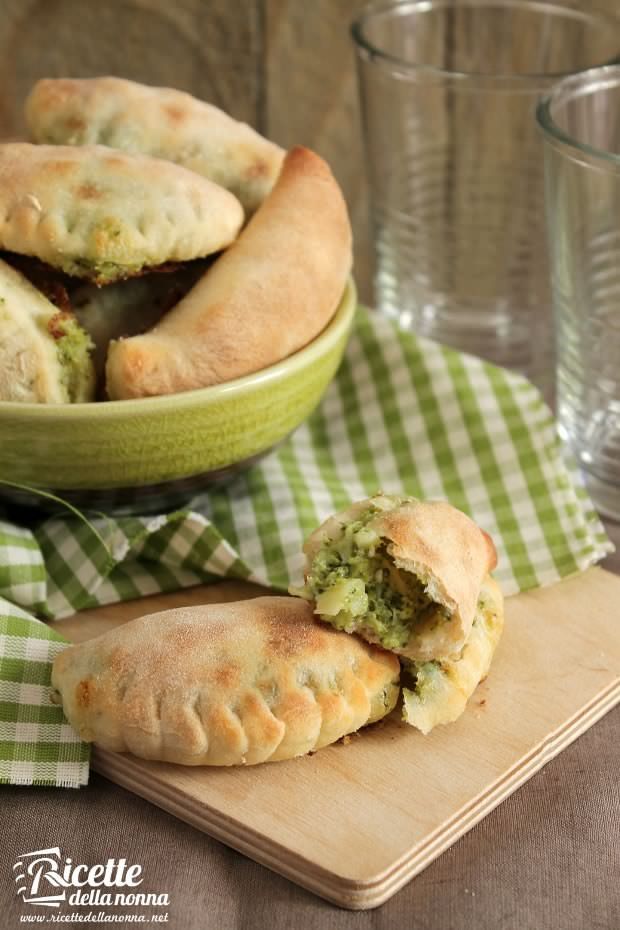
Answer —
110 409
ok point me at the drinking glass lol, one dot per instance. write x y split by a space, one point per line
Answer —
580 120
448 91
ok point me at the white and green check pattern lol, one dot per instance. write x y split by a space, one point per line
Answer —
37 746
403 415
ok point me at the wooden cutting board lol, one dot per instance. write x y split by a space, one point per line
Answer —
356 821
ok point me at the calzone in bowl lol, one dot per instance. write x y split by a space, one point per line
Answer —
192 389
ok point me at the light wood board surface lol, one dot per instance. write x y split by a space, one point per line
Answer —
356 821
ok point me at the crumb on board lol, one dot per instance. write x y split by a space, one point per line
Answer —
348 737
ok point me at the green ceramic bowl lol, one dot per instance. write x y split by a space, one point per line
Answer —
153 453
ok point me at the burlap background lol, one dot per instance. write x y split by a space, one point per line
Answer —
548 857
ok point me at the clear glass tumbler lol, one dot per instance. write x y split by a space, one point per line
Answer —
448 93
580 120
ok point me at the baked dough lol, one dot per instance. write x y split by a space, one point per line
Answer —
104 215
442 688
127 308
224 684
267 296
400 572
44 353
156 121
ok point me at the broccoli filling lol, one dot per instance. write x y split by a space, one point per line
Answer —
425 678
356 586
73 346
99 272
428 680
436 692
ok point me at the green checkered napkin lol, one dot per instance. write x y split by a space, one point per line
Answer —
403 415
37 745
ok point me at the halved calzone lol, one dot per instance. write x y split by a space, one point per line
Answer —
44 352
269 294
441 687
157 121
402 573
105 215
224 684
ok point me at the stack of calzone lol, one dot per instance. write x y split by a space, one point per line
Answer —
390 582
151 244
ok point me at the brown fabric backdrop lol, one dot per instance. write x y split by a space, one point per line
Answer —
548 858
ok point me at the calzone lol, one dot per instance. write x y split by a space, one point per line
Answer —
269 294
105 215
127 308
439 689
157 121
224 684
402 573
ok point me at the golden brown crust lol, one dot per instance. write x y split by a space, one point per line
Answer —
267 296
102 214
156 121
443 547
224 684
126 308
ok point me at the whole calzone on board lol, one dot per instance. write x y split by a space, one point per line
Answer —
267 296
157 121
224 684
105 215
